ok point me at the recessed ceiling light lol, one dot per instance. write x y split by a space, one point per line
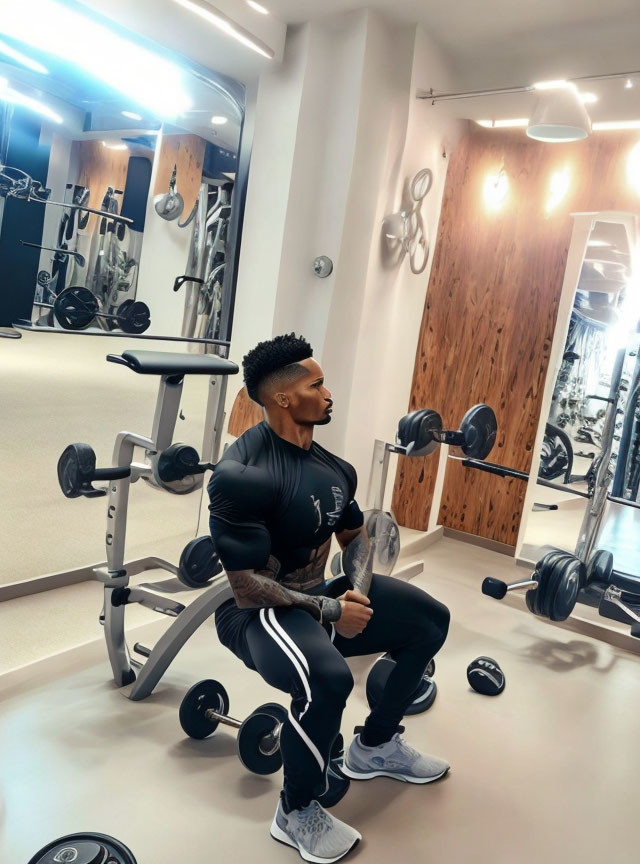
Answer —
551 85
146 77
8 94
114 146
628 84
598 243
22 59
588 98
131 115
613 125
219 120
223 22
257 7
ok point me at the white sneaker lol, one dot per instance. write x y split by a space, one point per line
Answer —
395 759
317 835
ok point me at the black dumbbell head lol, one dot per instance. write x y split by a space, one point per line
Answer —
485 676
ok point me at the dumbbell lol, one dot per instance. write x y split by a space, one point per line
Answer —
553 586
206 705
420 432
76 308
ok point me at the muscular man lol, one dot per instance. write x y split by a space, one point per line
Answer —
277 497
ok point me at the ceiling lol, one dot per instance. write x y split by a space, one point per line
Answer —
497 43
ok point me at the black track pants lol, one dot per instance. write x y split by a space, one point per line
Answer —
294 653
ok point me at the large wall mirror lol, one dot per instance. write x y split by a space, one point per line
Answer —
118 166
120 213
591 434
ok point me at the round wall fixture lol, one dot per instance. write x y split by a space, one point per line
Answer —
322 266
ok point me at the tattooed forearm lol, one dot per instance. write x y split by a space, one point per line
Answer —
357 563
254 590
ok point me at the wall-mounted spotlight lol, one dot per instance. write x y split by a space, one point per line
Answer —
495 189
558 188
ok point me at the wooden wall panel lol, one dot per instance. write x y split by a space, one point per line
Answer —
491 308
100 167
187 152
244 414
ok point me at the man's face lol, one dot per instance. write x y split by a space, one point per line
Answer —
309 400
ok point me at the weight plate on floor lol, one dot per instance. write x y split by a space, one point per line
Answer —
199 562
553 573
479 427
84 849
377 679
253 737
600 567
75 308
534 596
567 585
485 676
199 699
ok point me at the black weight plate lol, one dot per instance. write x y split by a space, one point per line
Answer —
199 562
557 573
485 676
541 573
133 317
75 308
377 679
403 434
600 567
427 423
277 711
202 696
250 737
84 849
479 427
76 469
565 595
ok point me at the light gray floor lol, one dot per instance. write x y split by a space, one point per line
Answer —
545 772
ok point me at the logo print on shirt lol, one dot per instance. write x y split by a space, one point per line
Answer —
338 501
316 507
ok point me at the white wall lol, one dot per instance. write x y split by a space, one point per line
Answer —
338 133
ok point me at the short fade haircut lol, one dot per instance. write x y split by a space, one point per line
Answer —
275 361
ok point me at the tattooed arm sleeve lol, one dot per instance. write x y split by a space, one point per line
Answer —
357 562
253 590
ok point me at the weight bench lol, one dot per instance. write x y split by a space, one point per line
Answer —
76 473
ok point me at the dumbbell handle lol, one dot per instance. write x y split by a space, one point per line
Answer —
269 743
497 588
216 716
449 436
